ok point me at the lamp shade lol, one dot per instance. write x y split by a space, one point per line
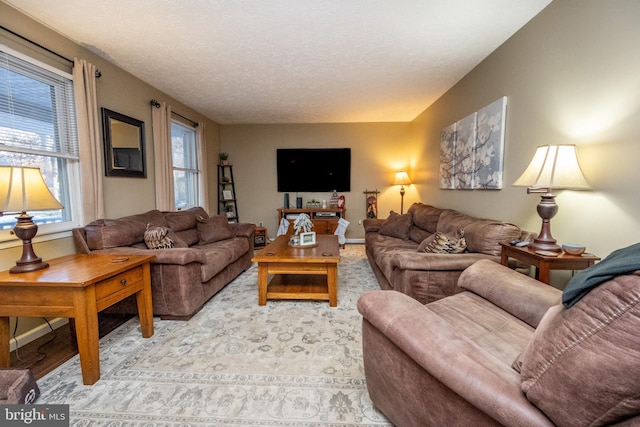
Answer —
554 166
23 189
401 178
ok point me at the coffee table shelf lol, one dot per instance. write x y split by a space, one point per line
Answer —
298 286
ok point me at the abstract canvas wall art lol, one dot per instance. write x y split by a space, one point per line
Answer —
472 149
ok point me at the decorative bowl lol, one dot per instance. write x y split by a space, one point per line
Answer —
574 249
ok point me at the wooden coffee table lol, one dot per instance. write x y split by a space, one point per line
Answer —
299 273
77 287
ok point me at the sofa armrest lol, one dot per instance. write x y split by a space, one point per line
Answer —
372 224
177 256
243 229
519 295
80 240
422 261
449 356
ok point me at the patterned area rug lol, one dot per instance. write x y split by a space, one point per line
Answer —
289 363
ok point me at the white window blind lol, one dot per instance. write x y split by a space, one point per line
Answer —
38 129
37 113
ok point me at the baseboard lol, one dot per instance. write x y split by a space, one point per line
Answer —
37 332
355 241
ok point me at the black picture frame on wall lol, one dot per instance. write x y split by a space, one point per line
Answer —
124 153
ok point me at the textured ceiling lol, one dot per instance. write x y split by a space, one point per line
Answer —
292 61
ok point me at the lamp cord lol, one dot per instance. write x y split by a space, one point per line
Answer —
39 350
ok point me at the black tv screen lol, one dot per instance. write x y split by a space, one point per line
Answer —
314 169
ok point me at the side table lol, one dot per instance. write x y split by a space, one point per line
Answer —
260 237
544 263
77 287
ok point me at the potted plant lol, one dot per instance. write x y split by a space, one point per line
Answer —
224 158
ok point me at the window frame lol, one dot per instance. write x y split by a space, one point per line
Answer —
58 230
197 192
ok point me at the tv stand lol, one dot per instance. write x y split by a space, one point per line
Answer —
325 221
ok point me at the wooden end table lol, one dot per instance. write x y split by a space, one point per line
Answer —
543 263
299 273
77 287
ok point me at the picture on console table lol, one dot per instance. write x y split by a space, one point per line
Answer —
308 238
471 150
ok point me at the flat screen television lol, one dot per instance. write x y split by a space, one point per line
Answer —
314 169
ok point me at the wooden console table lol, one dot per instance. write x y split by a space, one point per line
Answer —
325 221
544 264
77 287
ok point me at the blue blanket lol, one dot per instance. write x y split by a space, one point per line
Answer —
619 262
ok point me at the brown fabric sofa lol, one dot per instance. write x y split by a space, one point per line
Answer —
392 249
505 351
208 254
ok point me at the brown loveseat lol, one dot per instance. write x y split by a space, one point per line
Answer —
505 351
208 253
393 244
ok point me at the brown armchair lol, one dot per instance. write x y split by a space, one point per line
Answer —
505 352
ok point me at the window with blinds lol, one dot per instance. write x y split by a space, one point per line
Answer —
186 174
38 129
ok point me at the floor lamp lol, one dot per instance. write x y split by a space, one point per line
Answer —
402 179
552 167
23 189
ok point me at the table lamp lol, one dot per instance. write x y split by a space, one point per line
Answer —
23 189
401 179
552 167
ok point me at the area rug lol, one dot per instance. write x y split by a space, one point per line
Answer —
289 363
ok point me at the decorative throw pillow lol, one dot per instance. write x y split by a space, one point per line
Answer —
426 242
157 237
214 229
443 244
397 225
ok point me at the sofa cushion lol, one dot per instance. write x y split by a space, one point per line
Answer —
425 217
153 217
214 229
186 219
112 233
441 243
592 348
417 234
397 225
125 231
482 235
190 236
220 254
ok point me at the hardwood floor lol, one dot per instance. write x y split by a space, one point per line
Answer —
53 349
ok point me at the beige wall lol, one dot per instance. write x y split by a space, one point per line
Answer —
117 91
377 151
571 77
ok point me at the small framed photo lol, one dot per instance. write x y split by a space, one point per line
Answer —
308 238
227 195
